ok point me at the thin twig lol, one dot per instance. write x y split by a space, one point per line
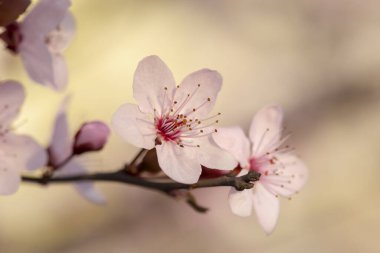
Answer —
138 155
190 199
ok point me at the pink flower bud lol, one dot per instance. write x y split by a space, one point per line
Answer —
92 136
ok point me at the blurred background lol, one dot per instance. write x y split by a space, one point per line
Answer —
320 59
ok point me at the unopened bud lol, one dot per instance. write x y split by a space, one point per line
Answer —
91 136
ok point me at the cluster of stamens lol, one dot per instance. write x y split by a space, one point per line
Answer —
273 170
172 124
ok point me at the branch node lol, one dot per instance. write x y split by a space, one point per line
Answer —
253 176
241 185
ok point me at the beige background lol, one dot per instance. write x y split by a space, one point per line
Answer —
318 58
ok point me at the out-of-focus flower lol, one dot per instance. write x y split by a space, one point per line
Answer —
281 172
40 39
92 136
174 120
17 152
62 160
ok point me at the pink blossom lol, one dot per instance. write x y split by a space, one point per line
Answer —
61 157
174 120
17 152
282 173
92 136
44 34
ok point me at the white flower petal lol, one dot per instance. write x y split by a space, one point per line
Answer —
150 79
266 129
12 96
68 27
60 144
9 177
59 39
23 151
134 126
43 18
43 66
213 157
38 62
267 207
85 189
241 202
233 140
287 176
199 90
89 192
180 164
60 72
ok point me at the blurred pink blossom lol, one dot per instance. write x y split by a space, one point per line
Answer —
44 34
92 136
17 152
282 173
61 157
174 119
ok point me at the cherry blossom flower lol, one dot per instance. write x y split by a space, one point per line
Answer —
62 160
17 152
174 120
282 173
40 39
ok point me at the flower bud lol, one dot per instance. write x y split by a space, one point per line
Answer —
92 136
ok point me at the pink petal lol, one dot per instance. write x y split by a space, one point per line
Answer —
60 38
12 96
289 177
151 78
23 151
241 202
213 157
267 207
233 140
266 128
199 90
178 163
60 144
43 66
44 17
38 63
89 192
68 26
85 189
134 126
60 73
9 177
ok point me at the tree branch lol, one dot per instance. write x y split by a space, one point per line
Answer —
239 183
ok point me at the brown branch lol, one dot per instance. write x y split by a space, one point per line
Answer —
129 174
190 199
239 183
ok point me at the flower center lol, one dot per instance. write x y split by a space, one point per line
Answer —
183 128
169 129
56 40
259 164
265 164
